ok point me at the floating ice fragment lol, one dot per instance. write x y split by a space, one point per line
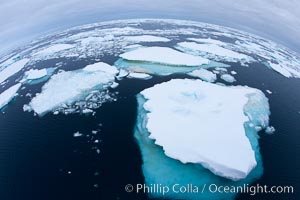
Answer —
8 95
233 72
204 75
35 74
67 87
200 111
139 75
270 130
269 91
228 78
77 134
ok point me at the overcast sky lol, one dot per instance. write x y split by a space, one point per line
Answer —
24 20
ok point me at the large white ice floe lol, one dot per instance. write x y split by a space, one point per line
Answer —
146 38
203 123
204 74
69 86
164 55
213 50
8 95
12 69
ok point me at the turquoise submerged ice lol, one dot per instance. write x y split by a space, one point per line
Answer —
158 168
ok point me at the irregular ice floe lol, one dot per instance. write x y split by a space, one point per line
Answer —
12 69
35 74
201 113
204 75
8 95
164 55
228 78
280 69
212 50
68 87
146 38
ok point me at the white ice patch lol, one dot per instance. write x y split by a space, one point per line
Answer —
213 49
146 38
204 75
203 123
137 75
35 74
228 78
280 69
12 69
67 87
164 55
9 94
208 41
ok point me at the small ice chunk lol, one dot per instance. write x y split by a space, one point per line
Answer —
86 111
9 94
137 75
114 85
233 72
204 75
269 91
228 78
164 55
77 134
270 130
101 66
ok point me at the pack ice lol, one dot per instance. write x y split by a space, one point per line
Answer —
69 86
202 123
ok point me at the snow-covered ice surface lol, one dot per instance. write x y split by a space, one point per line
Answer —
201 113
35 74
8 95
139 75
68 87
12 69
204 75
164 55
